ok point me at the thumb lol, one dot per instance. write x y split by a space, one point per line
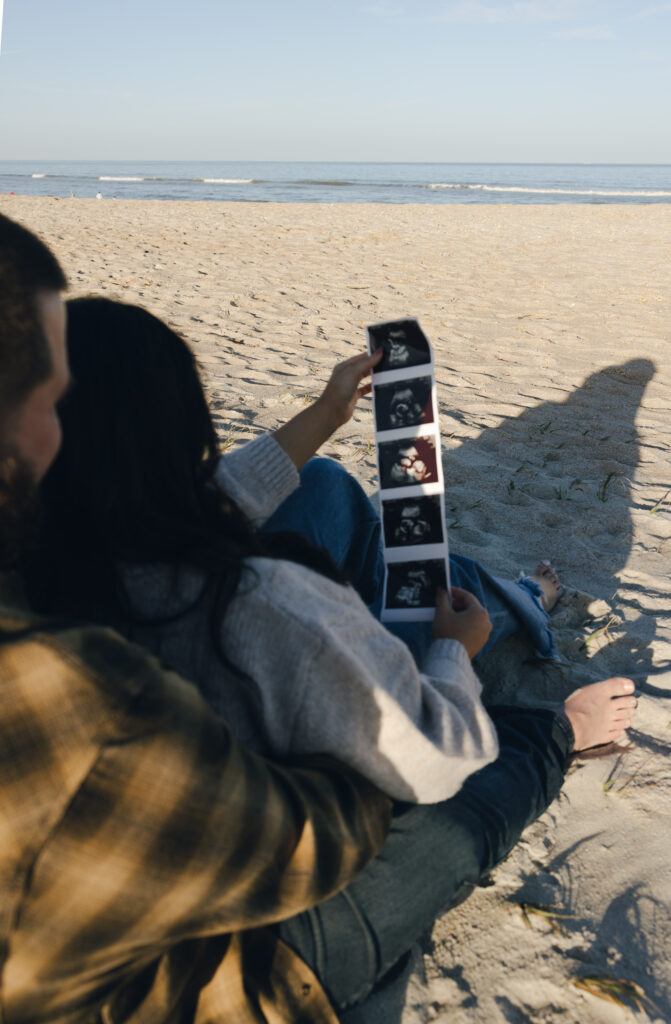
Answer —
463 599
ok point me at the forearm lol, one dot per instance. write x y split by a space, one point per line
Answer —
304 832
304 435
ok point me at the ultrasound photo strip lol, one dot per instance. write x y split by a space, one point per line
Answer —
410 474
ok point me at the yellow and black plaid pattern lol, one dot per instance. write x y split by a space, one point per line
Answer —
142 849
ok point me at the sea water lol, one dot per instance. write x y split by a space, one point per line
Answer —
341 182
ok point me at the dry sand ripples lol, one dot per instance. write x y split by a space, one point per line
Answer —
551 330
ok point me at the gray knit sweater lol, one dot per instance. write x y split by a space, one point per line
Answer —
325 675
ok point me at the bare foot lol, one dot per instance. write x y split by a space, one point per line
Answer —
601 712
547 579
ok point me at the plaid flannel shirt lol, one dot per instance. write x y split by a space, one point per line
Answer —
142 850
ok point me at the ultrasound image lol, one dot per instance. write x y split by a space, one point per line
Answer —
412 521
414 584
404 404
408 462
404 344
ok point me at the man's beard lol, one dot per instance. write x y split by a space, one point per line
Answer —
19 509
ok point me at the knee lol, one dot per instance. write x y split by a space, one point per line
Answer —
322 473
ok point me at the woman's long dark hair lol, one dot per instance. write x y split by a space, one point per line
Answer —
131 484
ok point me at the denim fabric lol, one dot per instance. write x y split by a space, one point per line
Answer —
434 856
332 510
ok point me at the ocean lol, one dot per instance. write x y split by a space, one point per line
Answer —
341 182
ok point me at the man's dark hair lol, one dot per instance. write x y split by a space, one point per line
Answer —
27 266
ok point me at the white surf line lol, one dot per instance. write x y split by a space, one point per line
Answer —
613 193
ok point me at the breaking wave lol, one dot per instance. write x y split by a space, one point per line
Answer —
608 193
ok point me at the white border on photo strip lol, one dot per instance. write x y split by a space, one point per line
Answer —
424 552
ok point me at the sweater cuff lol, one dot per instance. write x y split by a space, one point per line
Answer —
259 476
442 658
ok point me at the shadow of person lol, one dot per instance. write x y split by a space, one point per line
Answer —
556 480
631 924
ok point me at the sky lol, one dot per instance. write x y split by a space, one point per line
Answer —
394 80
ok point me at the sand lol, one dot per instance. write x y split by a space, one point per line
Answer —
550 326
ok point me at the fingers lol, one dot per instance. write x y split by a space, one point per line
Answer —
464 598
364 362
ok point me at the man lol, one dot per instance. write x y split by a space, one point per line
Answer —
141 848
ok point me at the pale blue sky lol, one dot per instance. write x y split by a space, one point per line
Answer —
433 80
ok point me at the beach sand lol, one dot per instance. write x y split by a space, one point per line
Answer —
550 326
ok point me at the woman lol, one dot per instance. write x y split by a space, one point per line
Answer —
147 529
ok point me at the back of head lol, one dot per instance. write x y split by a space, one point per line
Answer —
27 267
132 482
137 434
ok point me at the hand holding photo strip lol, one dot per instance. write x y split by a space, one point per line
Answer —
409 471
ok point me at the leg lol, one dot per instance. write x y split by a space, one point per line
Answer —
512 605
331 509
434 856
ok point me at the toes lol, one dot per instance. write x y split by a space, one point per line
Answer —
617 687
624 703
547 572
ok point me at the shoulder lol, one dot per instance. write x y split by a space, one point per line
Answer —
85 682
67 697
299 593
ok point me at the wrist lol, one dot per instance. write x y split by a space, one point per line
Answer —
454 640
326 417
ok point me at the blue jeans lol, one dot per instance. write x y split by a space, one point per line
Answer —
333 511
436 853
